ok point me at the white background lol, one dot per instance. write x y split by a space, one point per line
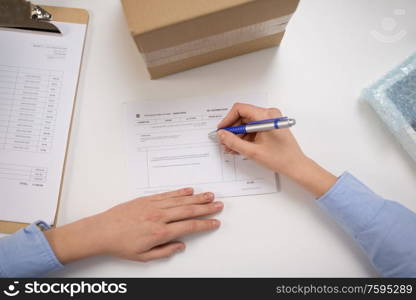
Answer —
327 56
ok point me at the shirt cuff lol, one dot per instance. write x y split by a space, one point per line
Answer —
27 253
352 204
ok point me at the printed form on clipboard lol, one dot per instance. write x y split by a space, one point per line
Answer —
38 82
169 148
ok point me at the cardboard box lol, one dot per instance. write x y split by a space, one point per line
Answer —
176 35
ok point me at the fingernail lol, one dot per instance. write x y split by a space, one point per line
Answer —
218 204
188 190
208 196
180 248
215 223
220 134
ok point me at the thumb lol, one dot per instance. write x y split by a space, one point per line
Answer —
236 143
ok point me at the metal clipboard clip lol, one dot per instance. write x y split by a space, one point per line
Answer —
21 14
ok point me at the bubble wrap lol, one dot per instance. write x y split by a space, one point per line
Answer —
393 97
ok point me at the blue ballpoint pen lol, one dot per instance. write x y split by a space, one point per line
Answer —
257 126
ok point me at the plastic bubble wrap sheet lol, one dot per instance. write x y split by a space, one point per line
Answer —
393 97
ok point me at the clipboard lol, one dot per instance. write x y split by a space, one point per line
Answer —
66 15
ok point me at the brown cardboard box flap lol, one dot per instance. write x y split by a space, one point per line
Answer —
183 31
174 35
144 15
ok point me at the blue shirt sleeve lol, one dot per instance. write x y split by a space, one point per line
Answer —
384 229
27 253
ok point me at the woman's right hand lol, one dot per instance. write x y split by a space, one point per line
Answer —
277 150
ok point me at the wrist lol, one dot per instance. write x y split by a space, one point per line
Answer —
311 176
74 241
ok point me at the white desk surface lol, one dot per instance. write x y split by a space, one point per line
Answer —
327 56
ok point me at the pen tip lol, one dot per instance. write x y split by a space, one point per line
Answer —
212 134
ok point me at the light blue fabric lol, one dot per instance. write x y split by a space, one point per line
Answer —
384 229
27 253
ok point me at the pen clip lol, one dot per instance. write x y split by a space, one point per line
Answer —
268 120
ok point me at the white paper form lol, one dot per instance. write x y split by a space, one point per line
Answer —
169 148
38 80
